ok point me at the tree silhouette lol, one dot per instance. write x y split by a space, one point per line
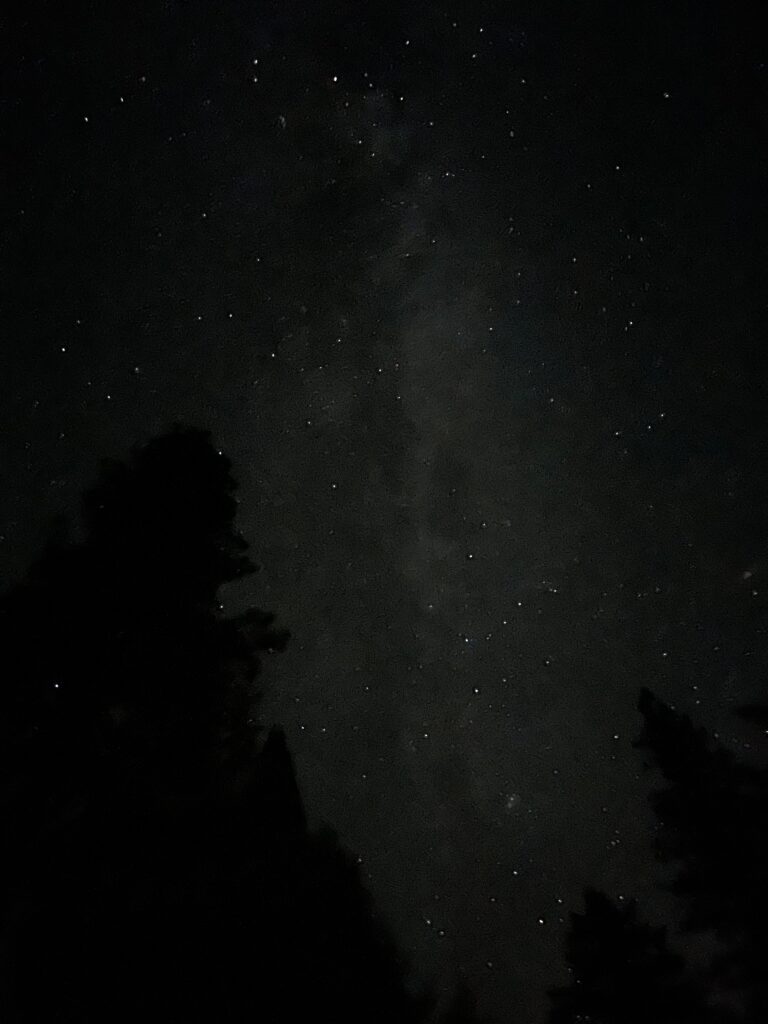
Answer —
158 864
623 972
713 813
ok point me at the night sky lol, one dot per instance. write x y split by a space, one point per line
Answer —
472 295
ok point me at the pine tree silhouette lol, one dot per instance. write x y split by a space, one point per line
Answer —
158 863
623 972
713 813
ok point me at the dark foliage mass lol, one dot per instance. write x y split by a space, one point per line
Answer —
712 815
158 861
623 971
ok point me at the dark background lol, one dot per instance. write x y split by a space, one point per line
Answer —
472 296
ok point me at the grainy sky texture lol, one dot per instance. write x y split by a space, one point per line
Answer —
473 297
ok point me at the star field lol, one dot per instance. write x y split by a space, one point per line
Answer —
471 298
